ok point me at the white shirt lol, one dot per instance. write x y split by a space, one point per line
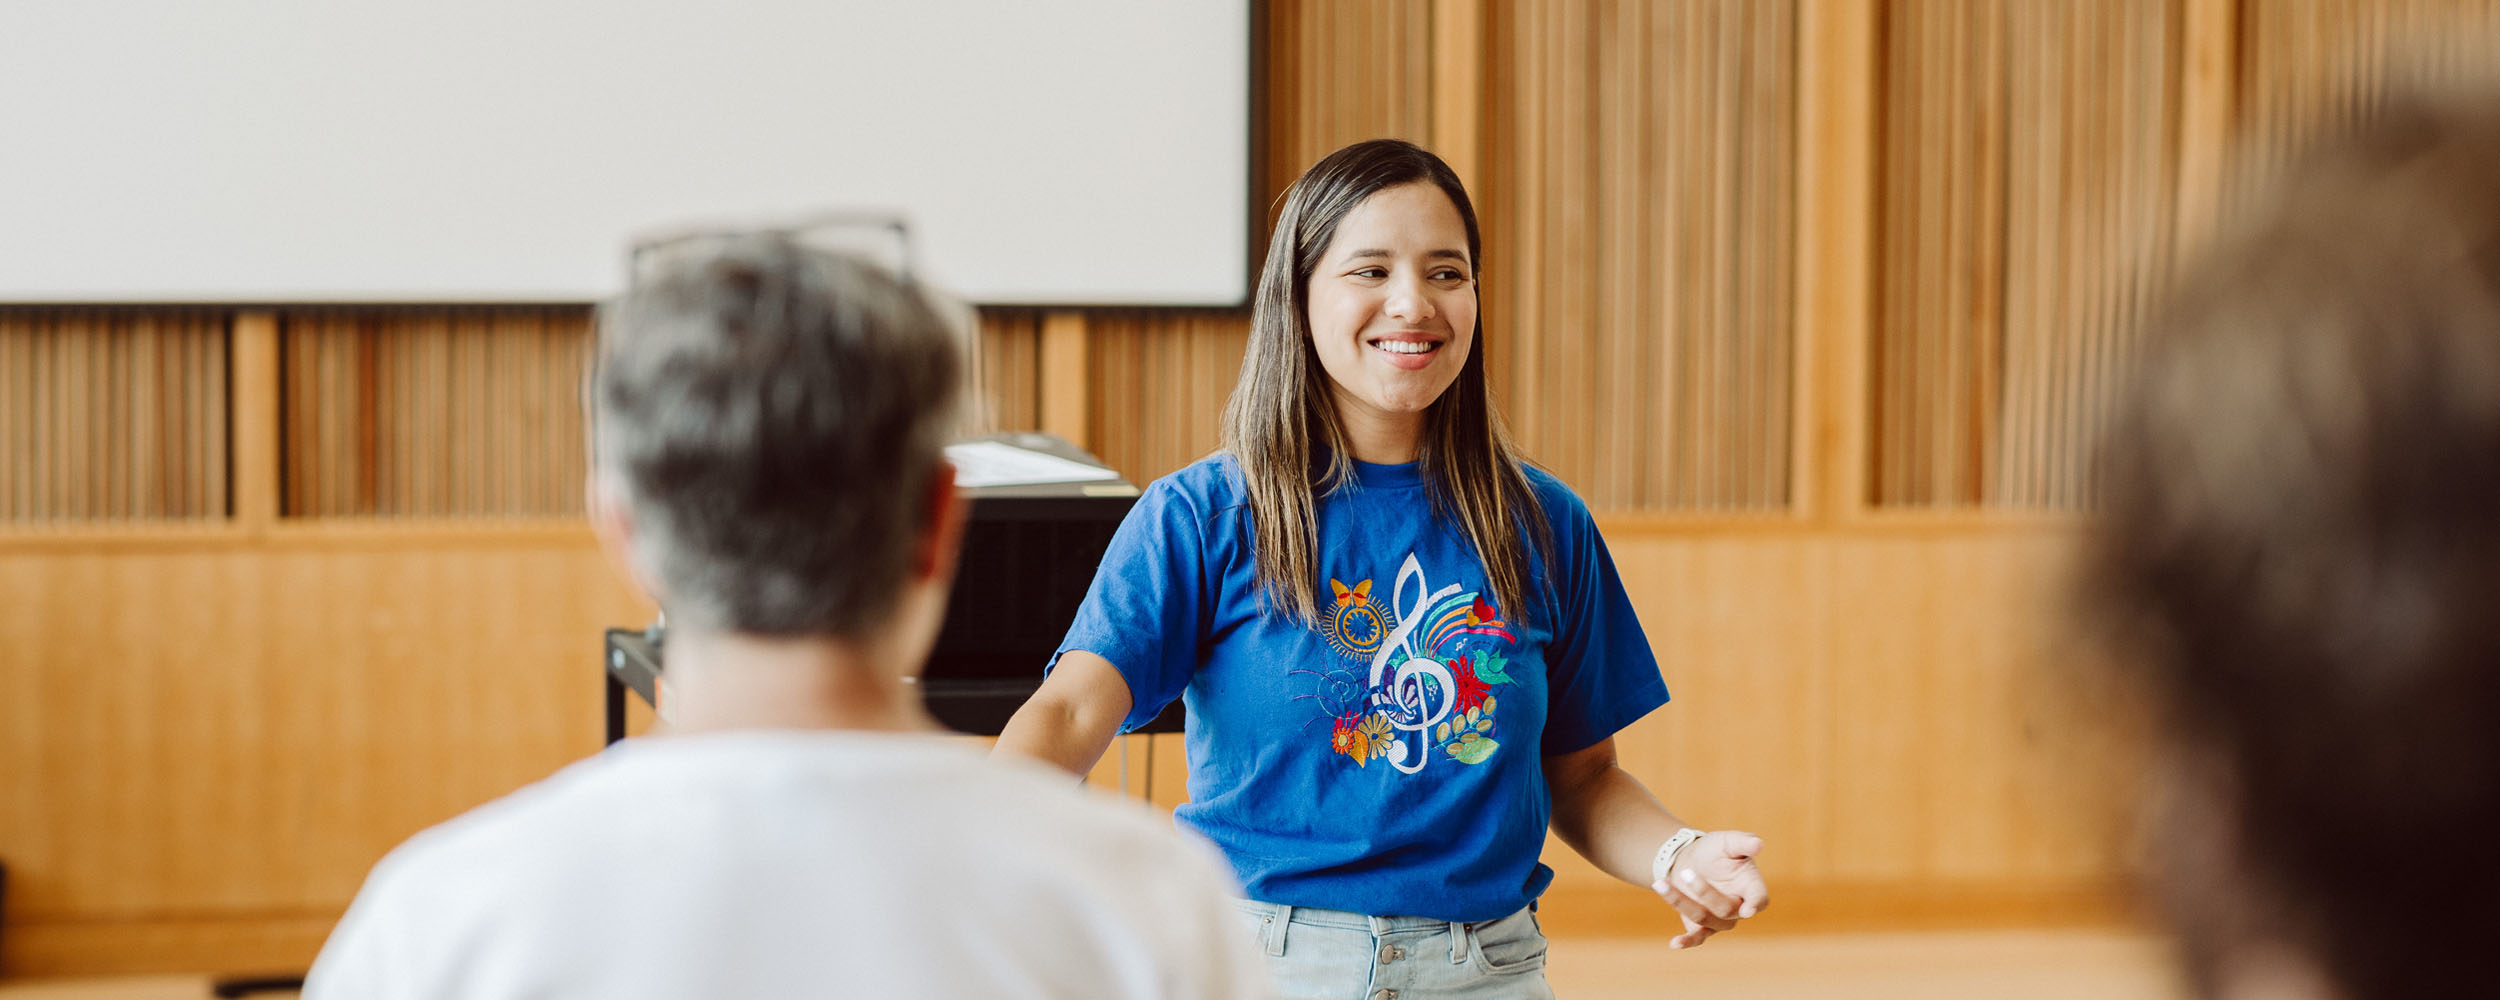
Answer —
773 864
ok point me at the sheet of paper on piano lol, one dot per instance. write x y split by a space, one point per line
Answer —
995 463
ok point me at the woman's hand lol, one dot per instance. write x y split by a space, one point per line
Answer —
1713 884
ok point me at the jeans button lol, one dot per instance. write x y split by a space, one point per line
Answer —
1391 953
1384 995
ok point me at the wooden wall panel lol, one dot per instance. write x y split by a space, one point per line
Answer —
2311 68
1895 711
1639 207
1009 393
471 412
2028 187
210 731
1162 382
1883 706
1337 73
112 416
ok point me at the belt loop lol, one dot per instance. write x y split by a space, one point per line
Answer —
1276 929
1458 943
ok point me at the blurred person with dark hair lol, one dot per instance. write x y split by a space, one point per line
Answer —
2300 556
768 422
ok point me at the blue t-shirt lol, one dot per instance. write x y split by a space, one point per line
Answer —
1390 760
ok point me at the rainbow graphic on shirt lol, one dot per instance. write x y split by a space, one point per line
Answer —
1424 677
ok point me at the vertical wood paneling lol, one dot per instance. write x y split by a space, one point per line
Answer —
1163 380
2027 204
2311 68
1337 73
1010 385
470 412
104 417
1640 206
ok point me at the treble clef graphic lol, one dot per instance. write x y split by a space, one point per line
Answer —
1420 691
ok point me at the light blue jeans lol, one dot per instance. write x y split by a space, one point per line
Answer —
1315 954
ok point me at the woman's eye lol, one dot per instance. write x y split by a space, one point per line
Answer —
1372 272
1449 274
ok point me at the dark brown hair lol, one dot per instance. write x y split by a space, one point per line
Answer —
1281 422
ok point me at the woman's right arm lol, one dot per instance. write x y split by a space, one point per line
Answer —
1070 721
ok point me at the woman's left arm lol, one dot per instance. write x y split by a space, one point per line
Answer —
1605 814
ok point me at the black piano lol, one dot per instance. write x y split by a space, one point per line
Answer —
1029 553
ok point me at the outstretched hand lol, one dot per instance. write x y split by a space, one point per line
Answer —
1714 884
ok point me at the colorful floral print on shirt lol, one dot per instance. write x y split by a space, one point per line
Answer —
1430 674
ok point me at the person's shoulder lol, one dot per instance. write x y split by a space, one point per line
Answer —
533 811
1199 494
1560 504
1212 483
475 854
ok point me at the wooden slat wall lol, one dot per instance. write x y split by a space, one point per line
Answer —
1639 203
2314 67
1337 73
1674 395
470 412
2029 166
1161 381
1009 388
112 415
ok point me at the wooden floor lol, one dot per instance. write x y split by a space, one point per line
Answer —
2030 965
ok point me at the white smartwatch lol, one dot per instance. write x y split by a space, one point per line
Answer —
1666 852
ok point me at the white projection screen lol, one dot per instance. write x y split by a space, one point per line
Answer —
1070 152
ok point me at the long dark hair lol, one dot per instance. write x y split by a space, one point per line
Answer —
1282 405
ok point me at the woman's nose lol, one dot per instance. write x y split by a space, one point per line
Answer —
1407 302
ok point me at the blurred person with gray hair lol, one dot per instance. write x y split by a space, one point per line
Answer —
2299 557
768 422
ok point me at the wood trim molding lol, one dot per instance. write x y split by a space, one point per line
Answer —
255 423
1837 79
1457 88
2208 96
1067 383
1628 911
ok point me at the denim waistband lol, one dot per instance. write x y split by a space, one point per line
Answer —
1349 920
1275 917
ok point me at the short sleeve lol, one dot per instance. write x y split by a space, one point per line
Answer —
1601 673
1148 605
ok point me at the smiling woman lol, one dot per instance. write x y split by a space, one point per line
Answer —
1381 759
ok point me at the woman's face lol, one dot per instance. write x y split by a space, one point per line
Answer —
1393 306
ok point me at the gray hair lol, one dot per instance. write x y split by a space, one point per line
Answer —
774 415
